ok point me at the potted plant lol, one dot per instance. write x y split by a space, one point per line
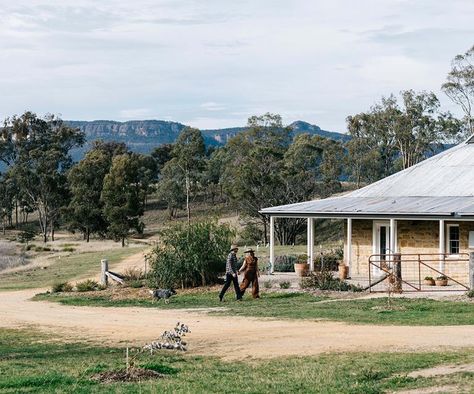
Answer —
441 280
301 265
429 281
343 270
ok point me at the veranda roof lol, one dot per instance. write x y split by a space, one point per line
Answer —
441 186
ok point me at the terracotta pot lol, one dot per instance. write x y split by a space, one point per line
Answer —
301 269
429 282
343 271
441 282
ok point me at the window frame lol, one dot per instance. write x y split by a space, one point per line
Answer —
448 239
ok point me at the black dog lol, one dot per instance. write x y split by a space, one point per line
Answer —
165 294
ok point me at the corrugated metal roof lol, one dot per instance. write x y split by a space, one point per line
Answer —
442 185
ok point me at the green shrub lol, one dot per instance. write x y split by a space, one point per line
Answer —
27 235
62 287
470 293
68 249
285 285
136 284
302 258
324 280
328 261
268 284
88 285
284 263
42 249
190 255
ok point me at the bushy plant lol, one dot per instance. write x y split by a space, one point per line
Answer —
68 249
135 284
284 263
132 273
27 235
324 280
302 258
285 285
190 255
328 261
61 287
268 284
88 285
470 293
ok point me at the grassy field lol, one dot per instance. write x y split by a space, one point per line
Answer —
63 269
30 362
405 311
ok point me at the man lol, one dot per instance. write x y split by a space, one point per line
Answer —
231 274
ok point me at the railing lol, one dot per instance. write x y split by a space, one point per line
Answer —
408 270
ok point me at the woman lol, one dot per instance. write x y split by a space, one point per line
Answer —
251 274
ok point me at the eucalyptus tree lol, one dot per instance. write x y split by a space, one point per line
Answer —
122 196
86 180
38 153
397 135
254 164
459 85
188 155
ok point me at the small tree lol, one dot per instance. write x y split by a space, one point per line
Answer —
190 255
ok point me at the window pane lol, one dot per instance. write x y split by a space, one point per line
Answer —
454 239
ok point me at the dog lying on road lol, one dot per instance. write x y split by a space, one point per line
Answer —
165 294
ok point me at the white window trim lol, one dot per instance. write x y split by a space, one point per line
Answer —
448 226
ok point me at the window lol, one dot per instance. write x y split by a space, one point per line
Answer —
453 239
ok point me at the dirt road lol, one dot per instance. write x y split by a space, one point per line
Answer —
228 337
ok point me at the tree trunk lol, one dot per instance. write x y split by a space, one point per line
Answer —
265 231
123 242
16 213
52 230
88 233
188 210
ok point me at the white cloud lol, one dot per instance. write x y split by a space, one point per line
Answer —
217 63
212 106
134 113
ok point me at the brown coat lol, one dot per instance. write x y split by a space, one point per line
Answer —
250 276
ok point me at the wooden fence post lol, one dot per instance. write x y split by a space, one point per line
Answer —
104 265
471 270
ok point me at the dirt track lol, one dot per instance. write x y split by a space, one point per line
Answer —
228 337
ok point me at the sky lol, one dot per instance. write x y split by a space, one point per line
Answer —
214 63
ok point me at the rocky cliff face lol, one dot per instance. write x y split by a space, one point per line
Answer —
144 135
159 131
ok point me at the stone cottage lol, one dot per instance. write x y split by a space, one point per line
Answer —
425 213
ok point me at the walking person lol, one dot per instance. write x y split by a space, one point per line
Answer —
251 274
231 274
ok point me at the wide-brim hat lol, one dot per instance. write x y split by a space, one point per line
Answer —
233 247
250 251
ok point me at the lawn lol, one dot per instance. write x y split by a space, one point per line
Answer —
63 269
421 312
31 362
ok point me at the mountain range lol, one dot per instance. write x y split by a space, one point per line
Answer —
144 135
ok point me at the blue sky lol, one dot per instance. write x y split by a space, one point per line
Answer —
214 63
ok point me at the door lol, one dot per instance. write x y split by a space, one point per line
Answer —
381 244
